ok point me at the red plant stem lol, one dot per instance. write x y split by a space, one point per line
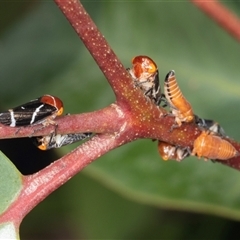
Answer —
39 185
141 117
97 46
124 90
131 118
220 14
101 122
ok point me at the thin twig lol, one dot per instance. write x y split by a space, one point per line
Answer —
221 15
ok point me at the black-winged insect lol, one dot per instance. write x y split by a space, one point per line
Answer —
168 151
41 110
58 140
210 125
144 73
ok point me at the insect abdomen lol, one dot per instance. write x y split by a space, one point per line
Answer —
181 108
213 147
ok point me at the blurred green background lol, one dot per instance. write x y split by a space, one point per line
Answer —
130 193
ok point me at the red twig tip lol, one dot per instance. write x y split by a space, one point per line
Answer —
220 14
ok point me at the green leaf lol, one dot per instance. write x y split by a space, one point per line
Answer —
43 54
10 182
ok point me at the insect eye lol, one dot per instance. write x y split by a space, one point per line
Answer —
151 67
60 111
137 70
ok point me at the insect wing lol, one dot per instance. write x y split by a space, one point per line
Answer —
57 141
6 119
72 138
210 125
158 96
26 114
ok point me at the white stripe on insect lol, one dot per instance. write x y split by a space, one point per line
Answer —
13 121
35 113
